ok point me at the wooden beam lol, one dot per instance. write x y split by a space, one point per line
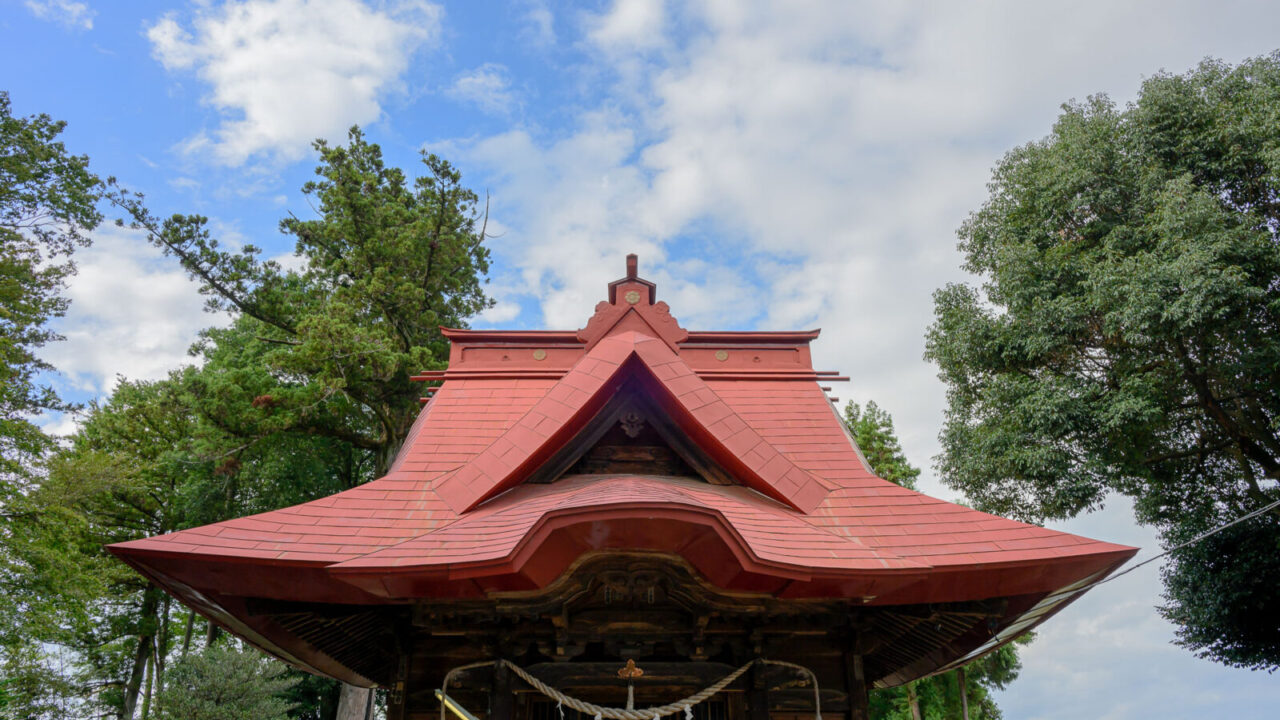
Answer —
502 699
856 687
398 698
758 695
696 675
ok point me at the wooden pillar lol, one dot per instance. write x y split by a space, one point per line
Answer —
502 699
856 686
397 706
353 703
757 695
398 697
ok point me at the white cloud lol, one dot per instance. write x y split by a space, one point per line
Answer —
590 224
501 312
290 262
59 424
284 72
629 24
133 313
486 87
76 15
539 24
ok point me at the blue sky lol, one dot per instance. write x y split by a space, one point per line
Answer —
789 165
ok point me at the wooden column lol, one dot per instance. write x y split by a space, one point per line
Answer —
502 699
757 695
398 697
856 686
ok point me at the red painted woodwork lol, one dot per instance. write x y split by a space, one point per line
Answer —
455 519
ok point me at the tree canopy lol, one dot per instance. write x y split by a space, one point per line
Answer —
1123 336
224 683
47 208
873 430
357 310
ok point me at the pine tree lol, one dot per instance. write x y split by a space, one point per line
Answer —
226 683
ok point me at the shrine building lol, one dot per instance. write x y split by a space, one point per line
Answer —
623 516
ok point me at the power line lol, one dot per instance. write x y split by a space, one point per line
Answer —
1188 543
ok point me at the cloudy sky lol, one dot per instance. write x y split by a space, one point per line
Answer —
776 166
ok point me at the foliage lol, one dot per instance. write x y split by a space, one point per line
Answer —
936 697
47 207
872 428
141 464
1223 593
225 683
383 265
1126 333
312 697
123 476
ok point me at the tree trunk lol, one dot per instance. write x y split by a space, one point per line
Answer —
162 644
150 685
142 656
963 682
913 700
385 456
353 704
186 636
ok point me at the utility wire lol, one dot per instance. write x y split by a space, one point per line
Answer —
1188 543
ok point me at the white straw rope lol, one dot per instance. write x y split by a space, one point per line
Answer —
652 713
599 712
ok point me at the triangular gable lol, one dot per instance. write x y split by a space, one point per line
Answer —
584 392
633 434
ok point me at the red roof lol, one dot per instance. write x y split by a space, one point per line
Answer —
455 517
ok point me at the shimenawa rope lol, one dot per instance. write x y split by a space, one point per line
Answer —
652 713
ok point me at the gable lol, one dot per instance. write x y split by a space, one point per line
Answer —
632 435
566 411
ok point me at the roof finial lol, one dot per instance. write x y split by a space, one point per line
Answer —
633 263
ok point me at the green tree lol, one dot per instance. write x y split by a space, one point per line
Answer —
124 475
146 461
384 264
225 683
1125 337
47 207
938 697
142 463
872 428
